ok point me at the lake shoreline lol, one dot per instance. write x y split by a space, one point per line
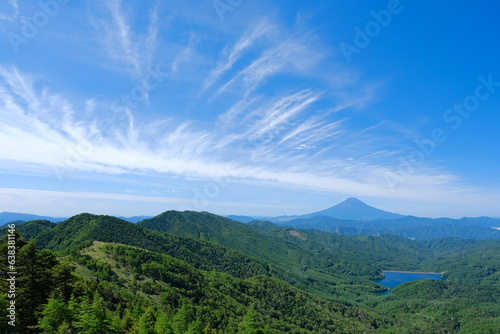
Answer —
393 278
412 272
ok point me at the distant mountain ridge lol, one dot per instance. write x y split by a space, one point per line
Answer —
350 217
350 209
353 208
353 217
241 219
134 219
8 217
407 226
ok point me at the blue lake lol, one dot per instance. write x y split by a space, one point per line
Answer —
391 280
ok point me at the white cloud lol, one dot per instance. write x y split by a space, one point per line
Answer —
286 135
69 203
231 55
122 44
9 10
278 114
289 55
36 130
264 51
86 195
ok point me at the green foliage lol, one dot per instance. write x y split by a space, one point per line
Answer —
55 316
444 306
40 275
197 301
468 261
250 322
35 227
163 324
93 317
307 264
81 230
147 322
199 298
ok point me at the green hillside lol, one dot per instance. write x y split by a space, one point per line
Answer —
360 255
223 301
192 272
81 230
327 272
125 289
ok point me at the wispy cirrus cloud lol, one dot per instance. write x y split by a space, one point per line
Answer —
265 50
287 56
122 43
265 126
271 118
37 131
230 55
294 132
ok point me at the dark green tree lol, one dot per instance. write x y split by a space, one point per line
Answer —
35 284
163 324
93 317
147 323
250 322
56 316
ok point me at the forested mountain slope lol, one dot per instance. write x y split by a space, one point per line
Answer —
310 269
209 274
124 289
81 230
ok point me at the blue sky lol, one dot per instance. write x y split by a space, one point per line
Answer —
249 107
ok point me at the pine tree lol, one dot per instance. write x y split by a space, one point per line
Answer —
54 315
127 322
93 318
4 303
195 327
249 323
163 324
65 328
35 283
147 323
62 278
182 319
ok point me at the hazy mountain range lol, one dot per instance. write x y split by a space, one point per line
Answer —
354 217
351 217
351 208
8 217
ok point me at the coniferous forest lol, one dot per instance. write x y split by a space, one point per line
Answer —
192 272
